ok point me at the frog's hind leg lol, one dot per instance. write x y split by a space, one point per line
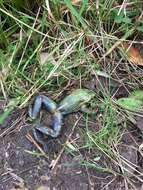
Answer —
40 101
34 109
56 126
57 123
49 104
46 131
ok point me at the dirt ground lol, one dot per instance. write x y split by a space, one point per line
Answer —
21 168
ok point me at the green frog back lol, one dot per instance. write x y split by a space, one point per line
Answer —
75 100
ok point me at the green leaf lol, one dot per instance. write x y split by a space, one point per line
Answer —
137 94
10 107
140 28
126 20
121 19
83 7
118 19
130 103
5 114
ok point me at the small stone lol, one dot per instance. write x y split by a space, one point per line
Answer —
43 188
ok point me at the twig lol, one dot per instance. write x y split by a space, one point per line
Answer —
30 138
9 129
141 149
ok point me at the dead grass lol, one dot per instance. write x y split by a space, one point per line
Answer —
55 44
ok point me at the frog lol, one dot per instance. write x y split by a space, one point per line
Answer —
74 102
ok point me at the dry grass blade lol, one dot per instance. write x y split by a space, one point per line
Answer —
15 124
48 9
141 149
64 55
30 138
23 23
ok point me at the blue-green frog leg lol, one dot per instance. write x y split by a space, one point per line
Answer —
34 109
49 104
56 126
40 101
57 123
